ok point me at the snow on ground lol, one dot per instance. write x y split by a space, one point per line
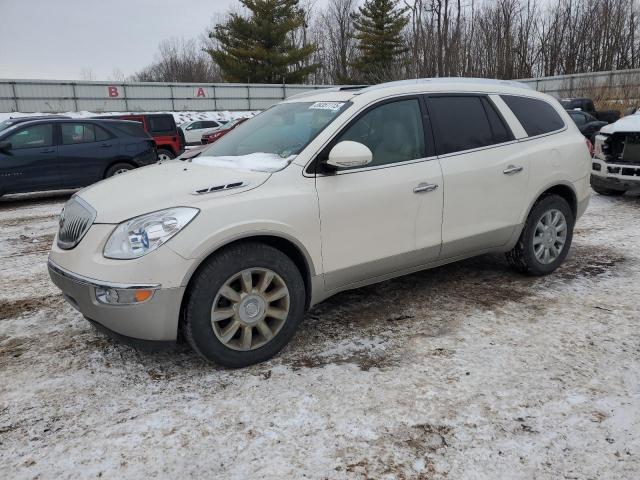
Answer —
180 117
464 371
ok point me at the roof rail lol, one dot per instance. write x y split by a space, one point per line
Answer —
448 80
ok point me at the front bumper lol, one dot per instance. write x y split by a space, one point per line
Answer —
153 320
619 176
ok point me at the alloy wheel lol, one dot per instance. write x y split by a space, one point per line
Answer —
250 309
550 236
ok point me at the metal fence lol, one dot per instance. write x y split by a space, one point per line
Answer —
616 84
70 96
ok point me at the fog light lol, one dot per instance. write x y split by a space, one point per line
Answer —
596 166
123 296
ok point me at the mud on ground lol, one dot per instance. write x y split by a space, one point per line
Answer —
466 371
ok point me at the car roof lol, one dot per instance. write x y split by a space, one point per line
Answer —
66 120
418 86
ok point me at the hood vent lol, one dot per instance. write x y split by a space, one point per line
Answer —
219 188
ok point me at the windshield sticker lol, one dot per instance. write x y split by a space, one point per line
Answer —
332 106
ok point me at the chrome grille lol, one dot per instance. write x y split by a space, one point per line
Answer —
75 219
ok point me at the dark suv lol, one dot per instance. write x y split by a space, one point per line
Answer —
51 154
162 128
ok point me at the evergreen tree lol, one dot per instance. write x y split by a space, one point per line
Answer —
379 25
261 48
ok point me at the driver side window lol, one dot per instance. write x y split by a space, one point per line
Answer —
393 132
32 137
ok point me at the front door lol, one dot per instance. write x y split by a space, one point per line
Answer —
384 217
30 161
485 171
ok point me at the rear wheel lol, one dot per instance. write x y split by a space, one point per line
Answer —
117 169
546 238
244 305
165 155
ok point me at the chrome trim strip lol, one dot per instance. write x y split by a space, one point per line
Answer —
74 277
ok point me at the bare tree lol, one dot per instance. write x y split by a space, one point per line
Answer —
180 61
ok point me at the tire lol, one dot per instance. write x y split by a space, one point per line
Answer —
608 191
164 154
117 169
204 297
523 256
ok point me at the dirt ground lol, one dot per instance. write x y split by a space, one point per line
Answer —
466 371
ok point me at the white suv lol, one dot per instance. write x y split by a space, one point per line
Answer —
321 193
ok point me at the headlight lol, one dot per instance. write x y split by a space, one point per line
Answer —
141 235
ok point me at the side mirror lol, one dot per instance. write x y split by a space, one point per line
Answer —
5 146
348 154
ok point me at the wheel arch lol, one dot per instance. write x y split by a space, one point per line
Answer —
128 161
286 244
563 189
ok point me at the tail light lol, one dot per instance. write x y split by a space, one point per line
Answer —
589 146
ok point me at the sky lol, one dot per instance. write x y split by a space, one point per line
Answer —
63 39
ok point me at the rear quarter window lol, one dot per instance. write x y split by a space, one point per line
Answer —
129 129
162 124
537 117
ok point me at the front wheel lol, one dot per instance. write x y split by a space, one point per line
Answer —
244 305
546 238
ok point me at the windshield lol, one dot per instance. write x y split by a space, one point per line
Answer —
280 132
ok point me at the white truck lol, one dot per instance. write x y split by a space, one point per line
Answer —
616 162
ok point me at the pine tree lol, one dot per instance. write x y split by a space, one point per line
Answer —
379 25
261 48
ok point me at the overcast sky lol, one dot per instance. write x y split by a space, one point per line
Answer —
58 39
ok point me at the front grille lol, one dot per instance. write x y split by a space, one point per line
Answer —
75 219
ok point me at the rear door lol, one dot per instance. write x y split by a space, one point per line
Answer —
484 173
86 150
164 131
31 162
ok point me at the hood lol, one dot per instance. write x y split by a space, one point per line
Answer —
165 185
630 123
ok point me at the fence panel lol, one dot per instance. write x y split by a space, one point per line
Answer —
49 96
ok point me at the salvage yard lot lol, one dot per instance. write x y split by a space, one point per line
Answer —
466 371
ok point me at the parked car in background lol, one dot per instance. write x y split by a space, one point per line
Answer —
587 105
327 191
9 122
162 127
214 135
193 130
586 123
616 163
52 154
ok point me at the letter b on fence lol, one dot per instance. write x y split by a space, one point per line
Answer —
113 92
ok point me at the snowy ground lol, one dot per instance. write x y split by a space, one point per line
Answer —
465 371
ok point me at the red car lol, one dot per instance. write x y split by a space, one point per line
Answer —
213 136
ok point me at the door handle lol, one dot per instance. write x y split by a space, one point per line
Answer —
49 150
425 187
105 145
512 170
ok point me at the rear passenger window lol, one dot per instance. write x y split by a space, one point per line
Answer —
73 133
536 116
465 122
101 134
393 132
